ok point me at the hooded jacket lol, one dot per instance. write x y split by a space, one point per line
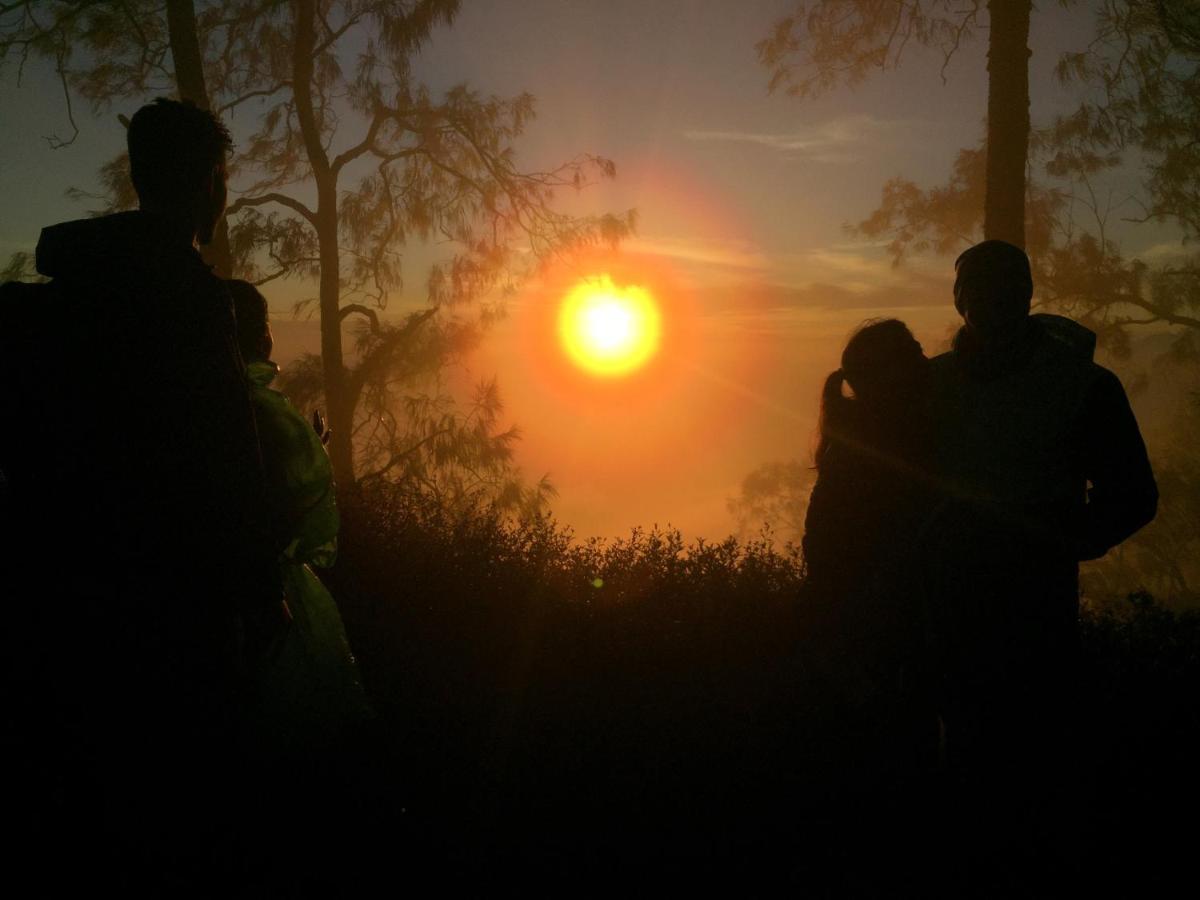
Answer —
130 449
1042 440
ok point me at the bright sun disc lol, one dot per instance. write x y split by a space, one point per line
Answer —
606 329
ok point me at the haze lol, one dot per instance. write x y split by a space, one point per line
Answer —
742 200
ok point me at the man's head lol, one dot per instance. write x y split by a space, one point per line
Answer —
993 289
253 324
177 163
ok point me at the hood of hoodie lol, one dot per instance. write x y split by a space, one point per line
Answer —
1068 335
109 248
261 372
1045 333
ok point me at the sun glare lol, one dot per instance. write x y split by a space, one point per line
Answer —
609 330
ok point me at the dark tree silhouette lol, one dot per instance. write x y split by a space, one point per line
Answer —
833 42
774 495
350 159
1007 120
189 79
1141 73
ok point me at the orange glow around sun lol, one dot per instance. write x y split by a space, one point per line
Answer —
609 330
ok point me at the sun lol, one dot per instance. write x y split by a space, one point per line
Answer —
609 330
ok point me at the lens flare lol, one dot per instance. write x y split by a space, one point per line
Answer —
609 330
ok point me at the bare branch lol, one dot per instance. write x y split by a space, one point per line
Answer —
250 95
282 199
359 309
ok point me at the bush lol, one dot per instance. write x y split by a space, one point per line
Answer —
588 705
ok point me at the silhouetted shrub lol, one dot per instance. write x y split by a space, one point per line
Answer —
617 703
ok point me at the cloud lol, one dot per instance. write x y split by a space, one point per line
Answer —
729 254
732 275
837 141
1165 254
864 269
914 292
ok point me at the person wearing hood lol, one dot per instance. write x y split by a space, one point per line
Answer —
1041 466
311 697
141 562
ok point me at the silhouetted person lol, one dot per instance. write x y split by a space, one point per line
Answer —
315 737
1043 466
144 569
865 519
315 696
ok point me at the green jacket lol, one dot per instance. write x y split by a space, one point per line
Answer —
311 683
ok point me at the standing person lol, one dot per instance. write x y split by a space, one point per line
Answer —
869 506
313 729
314 698
144 569
1043 467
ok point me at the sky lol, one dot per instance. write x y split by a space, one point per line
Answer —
742 198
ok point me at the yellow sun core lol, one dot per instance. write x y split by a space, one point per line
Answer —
608 330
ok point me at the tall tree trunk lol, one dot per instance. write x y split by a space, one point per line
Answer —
189 80
341 449
1008 120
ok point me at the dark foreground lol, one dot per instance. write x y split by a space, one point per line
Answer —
645 716
663 728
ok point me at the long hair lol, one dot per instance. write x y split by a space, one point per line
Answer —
836 412
877 365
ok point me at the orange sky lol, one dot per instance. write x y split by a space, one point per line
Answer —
742 203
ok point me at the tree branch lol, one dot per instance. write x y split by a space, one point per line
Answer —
1163 315
359 309
282 199
250 95
358 378
363 146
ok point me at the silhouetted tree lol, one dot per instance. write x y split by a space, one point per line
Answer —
832 42
189 80
774 495
1142 71
1007 120
416 168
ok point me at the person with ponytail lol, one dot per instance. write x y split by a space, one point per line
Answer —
865 630
873 443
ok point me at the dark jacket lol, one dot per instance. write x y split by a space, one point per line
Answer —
128 440
863 527
1022 435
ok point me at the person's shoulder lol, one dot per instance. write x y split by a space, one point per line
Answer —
943 361
16 292
1104 382
24 302
99 246
945 370
948 359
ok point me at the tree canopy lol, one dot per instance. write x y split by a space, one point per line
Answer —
349 160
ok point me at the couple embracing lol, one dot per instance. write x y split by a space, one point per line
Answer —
955 499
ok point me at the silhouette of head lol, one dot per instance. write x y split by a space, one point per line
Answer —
253 325
886 369
177 163
882 361
993 289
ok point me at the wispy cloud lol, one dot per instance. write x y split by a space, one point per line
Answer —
860 267
722 254
843 275
839 140
1166 254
